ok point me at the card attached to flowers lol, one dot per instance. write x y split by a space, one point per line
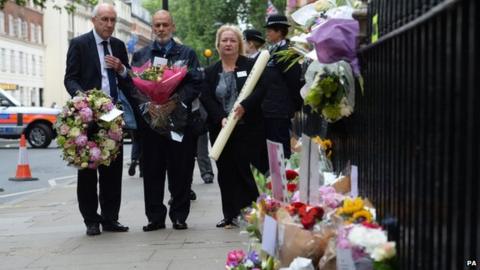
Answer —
309 175
111 115
269 236
345 259
277 170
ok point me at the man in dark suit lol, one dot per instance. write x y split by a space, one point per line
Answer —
170 151
98 60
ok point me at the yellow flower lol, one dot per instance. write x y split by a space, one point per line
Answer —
351 206
365 214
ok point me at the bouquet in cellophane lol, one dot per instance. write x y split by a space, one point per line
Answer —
158 83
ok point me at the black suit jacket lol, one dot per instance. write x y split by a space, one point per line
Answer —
252 118
83 68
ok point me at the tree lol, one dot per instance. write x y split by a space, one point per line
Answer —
69 7
198 20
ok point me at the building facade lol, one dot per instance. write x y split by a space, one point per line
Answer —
22 53
62 27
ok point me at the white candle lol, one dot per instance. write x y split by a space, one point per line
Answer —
247 89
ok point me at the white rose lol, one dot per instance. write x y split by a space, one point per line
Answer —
367 238
74 132
384 252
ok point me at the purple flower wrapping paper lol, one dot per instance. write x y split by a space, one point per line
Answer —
335 40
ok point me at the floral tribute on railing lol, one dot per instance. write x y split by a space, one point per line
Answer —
333 231
325 42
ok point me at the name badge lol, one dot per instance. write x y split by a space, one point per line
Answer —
241 74
159 61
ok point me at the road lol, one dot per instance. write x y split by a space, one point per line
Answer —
45 164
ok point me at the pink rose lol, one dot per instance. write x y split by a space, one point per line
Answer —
107 106
64 129
79 103
116 136
95 154
86 114
81 140
91 144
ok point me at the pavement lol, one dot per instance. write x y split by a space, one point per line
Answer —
45 230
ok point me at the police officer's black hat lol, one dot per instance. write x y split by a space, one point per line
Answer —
276 19
252 34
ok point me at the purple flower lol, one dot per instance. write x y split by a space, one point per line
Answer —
254 257
95 154
79 103
326 190
107 106
81 140
86 114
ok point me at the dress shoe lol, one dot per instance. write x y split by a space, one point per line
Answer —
114 227
93 229
193 196
180 225
131 169
153 226
226 223
208 180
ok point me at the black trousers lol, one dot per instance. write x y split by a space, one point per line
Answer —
237 185
109 179
164 157
278 130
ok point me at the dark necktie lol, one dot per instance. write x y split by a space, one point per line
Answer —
111 74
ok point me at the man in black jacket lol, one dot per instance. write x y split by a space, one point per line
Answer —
282 98
98 60
166 152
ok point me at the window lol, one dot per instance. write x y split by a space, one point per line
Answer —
17 28
20 60
34 66
33 33
39 32
24 30
3 60
2 22
27 61
40 70
10 25
12 61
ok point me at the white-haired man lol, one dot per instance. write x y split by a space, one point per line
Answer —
98 60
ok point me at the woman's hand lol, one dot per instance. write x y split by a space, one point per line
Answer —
239 111
224 122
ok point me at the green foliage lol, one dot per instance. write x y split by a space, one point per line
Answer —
197 21
69 7
260 180
289 56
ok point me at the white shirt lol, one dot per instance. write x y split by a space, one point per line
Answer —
253 55
103 66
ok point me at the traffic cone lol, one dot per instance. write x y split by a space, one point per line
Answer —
23 169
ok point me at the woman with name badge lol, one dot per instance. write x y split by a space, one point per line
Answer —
223 82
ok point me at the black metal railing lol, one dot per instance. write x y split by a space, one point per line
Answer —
415 133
